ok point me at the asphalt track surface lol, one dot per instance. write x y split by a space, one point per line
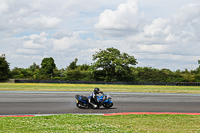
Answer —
22 103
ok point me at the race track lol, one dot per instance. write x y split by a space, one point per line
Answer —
19 102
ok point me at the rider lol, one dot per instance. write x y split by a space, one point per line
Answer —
93 97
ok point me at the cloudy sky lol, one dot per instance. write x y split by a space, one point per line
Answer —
158 33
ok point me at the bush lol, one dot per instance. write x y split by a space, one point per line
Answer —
56 78
86 76
73 74
197 78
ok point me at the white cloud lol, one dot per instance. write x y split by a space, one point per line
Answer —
31 45
35 41
157 34
125 20
153 48
64 43
27 51
157 28
46 21
3 7
176 36
62 33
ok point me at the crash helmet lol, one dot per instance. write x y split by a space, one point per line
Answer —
96 90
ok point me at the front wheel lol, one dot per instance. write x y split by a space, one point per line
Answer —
107 105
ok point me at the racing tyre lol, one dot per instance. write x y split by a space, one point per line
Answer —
78 105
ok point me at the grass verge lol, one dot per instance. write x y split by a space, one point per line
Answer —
105 88
95 123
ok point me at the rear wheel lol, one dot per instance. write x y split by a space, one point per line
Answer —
78 105
82 106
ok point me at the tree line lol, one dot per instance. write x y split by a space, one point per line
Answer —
109 65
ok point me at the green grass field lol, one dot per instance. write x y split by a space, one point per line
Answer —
105 88
96 123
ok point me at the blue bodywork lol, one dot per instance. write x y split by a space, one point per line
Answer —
100 99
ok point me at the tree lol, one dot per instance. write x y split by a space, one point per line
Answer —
114 65
46 70
84 67
198 69
4 68
78 72
34 66
72 65
34 70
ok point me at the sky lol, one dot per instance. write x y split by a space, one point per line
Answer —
158 33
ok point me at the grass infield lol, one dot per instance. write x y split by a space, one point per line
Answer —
95 123
105 88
